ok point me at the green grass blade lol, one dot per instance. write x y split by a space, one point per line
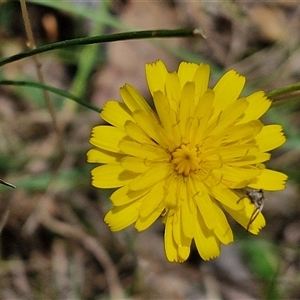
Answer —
131 35
50 89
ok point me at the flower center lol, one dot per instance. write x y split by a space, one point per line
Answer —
186 160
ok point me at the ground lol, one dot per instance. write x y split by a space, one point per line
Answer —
54 243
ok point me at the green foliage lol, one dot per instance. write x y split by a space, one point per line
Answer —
262 258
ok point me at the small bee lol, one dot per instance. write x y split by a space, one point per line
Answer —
6 183
258 199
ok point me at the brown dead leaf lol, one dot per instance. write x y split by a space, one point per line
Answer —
270 21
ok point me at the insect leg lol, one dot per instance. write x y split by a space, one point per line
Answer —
255 214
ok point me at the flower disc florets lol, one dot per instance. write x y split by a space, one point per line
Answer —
186 160
189 160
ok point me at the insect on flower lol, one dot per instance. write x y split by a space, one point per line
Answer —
258 199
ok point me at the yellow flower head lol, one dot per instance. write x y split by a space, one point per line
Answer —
188 160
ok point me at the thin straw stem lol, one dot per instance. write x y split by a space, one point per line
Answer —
146 34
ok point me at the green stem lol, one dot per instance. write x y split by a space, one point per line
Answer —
51 89
104 39
285 90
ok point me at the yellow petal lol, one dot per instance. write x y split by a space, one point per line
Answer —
184 252
172 193
257 224
186 109
173 90
188 211
249 160
124 195
144 151
183 242
201 79
258 105
239 134
121 217
177 228
226 196
170 245
116 113
156 74
134 100
206 242
270 137
166 115
223 230
235 151
135 164
155 174
228 89
152 128
138 134
107 137
186 72
143 223
204 203
111 176
234 176
269 180
152 201
101 156
203 113
227 117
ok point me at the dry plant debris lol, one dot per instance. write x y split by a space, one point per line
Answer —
54 243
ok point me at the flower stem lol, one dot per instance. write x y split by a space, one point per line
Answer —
131 35
282 91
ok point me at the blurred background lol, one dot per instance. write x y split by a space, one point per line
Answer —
53 243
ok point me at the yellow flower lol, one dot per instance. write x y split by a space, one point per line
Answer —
188 160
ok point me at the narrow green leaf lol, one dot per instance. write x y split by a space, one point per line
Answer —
131 35
51 89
